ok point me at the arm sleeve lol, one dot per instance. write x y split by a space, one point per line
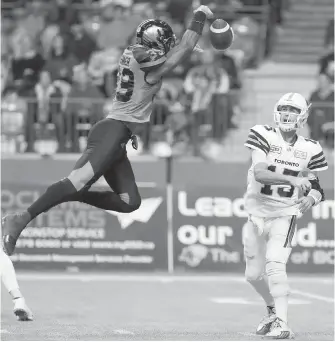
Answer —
257 141
318 160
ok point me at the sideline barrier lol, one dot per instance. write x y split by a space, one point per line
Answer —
207 222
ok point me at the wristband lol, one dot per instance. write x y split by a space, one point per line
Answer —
316 195
198 22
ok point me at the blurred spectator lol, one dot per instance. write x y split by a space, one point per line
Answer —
245 48
27 63
32 19
7 29
82 44
216 75
178 9
15 36
326 61
103 68
118 26
84 107
321 118
5 74
61 62
44 108
90 20
211 105
62 14
47 36
13 117
329 36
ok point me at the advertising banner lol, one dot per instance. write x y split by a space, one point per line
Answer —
208 230
80 236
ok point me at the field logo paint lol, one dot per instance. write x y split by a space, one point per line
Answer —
193 255
143 214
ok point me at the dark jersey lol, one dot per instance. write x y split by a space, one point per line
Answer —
134 95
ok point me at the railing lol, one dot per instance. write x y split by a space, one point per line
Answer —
63 131
59 130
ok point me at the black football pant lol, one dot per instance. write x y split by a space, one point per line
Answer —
106 152
106 155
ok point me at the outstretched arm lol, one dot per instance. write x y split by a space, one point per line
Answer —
265 176
186 46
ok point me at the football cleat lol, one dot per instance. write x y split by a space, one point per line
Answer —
12 225
279 330
265 324
21 310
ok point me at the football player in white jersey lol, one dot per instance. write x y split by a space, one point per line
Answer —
9 280
282 185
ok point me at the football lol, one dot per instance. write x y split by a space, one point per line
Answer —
221 34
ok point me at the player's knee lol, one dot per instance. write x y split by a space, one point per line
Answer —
277 278
131 202
80 177
136 203
253 273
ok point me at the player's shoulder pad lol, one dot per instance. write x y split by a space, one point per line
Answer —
258 138
148 58
317 160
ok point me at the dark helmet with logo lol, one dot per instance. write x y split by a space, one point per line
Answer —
156 34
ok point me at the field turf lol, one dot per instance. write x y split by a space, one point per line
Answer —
160 307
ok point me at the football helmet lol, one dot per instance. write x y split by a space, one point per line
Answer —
156 34
291 112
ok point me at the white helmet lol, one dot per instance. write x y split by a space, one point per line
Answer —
291 112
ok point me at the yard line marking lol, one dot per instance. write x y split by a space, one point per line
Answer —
123 332
247 334
313 296
153 278
245 301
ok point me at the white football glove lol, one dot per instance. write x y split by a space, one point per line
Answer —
206 10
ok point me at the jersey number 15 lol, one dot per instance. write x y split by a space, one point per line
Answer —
282 191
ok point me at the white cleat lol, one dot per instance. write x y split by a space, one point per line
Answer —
279 330
265 324
21 310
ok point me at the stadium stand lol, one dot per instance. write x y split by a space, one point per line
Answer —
56 53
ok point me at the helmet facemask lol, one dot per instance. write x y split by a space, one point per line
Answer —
290 117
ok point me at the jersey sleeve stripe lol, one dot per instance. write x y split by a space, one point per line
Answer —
320 160
255 145
255 139
153 63
319 167
317 156
259 136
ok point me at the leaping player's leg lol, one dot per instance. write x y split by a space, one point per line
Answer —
105 146
254 252
278 251
9 280
125 198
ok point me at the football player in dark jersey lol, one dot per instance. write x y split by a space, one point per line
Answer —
141 69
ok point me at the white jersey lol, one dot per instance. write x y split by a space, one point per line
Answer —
279 200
